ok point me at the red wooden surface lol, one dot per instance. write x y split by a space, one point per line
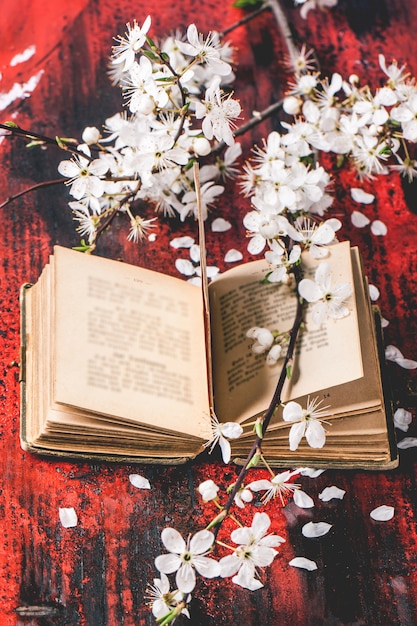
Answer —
96 574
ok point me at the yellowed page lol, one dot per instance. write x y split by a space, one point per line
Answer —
243 383
129 343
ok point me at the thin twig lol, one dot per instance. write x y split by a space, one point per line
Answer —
275 401
244 20
47 183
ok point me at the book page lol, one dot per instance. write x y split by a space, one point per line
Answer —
325 356
129 343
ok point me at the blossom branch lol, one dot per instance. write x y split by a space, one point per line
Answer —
256 449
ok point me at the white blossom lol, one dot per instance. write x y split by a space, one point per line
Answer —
221 433
255 549
328 300
185 558
305 422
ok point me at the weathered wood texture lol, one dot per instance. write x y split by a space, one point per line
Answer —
96 574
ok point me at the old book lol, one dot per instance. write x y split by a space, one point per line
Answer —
124 363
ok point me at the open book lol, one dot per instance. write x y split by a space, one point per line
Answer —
117 363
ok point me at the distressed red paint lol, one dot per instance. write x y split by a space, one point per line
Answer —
97 573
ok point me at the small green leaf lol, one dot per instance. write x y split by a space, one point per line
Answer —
247 4
11 124
217 520
34 143
289 371
254 461
258 428
151 55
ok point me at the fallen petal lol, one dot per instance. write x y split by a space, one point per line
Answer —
304 563
382 513
182 242
315 529
378 228
68 517
331 492
402 419
232 256
220 225
407 442
359 220
374 293
302 499
140 482
310 472
359 195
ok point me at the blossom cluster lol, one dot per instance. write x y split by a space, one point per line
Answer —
176 110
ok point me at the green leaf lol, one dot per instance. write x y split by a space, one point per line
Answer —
34 143
217 520
289 371
11 124
247 4
151 55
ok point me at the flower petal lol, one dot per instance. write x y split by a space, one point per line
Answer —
302 499
220 225
407 442
359 220
232 256
359 195
68 517
378 228
296 434
209 568
315 434
304 563
231 430
382 513
173 541
167 563
315 529
201 541
140 482
402 419
229 565
332 492
185 578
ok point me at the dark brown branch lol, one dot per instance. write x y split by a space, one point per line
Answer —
47 183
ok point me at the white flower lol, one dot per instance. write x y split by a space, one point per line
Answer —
209 192
218 112
127 47
84 176
329 301
306 422
221 433
263 339
255 549
139 227
162 600
277 486
243 496
313 236
185 558
206 50
208 490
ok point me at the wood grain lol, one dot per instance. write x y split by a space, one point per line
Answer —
96 574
